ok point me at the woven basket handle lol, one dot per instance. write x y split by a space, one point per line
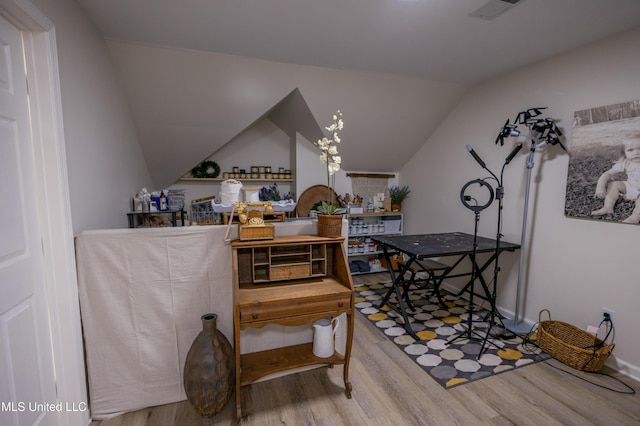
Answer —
540 314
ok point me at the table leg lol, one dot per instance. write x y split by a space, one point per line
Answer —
395 282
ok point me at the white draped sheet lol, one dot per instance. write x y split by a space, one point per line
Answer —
142 293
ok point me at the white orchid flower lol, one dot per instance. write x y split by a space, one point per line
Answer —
329 150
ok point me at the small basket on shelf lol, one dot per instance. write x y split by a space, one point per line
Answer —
572 346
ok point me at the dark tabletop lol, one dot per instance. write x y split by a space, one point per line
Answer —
443 244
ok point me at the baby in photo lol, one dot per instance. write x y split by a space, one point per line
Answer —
629 163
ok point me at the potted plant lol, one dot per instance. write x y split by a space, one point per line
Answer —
329 212
398 195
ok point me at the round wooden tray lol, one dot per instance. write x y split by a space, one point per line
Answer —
310 197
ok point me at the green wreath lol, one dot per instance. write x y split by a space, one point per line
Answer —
206 169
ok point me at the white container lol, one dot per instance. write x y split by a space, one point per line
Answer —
230 191
324 331
251 193
392 224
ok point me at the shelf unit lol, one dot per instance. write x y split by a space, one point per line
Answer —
289 281
192 179
362 226
146 219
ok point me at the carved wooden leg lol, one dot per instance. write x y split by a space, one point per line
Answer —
347 389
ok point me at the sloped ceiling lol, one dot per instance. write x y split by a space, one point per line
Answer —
394 67
430 39
188 104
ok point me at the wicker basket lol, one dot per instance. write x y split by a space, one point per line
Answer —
256 232
329 225
571 345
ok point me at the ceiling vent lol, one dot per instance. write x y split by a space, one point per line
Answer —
494 8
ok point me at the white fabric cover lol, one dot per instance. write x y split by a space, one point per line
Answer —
142 293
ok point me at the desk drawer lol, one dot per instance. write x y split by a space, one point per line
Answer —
296 308
290 272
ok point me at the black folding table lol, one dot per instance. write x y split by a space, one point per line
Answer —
425 246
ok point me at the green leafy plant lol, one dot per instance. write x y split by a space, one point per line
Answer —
326 207
399 194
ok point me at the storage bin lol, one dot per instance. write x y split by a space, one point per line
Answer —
392 224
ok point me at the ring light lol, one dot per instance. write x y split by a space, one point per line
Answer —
465 199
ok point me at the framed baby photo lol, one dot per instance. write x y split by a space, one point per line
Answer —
603 180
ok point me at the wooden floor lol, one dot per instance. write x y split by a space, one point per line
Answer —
390 389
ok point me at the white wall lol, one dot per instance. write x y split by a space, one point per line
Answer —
105 162
265 144
575 267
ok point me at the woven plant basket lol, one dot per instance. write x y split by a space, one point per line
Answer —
330 225
571 345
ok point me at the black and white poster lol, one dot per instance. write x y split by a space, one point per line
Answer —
603 180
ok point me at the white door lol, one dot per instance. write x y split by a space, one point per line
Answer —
27 382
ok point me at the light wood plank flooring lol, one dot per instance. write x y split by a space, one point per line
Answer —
390 389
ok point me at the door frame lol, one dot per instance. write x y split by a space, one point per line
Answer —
54 211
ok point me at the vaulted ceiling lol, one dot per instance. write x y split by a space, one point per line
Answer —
433 41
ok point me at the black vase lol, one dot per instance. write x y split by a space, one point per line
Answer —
209 373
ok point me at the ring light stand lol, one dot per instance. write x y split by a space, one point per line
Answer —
476 209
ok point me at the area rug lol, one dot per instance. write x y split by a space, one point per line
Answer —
444 350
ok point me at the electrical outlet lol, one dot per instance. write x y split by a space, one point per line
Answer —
610 312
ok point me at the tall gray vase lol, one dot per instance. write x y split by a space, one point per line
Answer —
209 373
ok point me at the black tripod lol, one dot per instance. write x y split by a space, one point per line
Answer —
493 314
470 333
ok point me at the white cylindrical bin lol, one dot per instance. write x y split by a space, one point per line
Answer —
251 193
230 191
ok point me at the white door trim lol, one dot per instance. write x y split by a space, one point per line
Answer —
54 207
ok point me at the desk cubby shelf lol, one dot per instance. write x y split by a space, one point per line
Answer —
285 262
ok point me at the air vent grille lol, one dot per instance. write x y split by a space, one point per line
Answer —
494 8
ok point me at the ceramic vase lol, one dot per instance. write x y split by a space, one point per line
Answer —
209 372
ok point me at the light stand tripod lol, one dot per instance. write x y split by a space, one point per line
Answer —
499 195
470 333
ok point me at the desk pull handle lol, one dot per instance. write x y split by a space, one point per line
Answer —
254 316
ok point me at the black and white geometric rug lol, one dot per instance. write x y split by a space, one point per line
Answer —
450 364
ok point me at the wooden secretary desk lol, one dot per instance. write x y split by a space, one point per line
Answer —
290 281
